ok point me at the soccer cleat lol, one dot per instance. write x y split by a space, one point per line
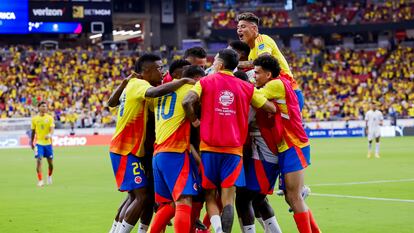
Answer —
49 180
280 192
40 183
369 155
202 231
377 155
199 225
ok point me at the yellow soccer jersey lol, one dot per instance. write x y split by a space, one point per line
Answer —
265 44
275 90
42 126
172 130
131 122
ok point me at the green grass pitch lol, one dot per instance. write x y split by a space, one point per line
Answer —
83 197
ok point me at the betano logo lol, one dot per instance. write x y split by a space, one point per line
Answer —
7 15
69 141
48 12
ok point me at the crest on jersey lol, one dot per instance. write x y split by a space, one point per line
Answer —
226 98
138 180
261 46
195 187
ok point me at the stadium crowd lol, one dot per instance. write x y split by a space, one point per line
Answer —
337 84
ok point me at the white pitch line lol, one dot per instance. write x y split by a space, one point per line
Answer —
363 182
362 197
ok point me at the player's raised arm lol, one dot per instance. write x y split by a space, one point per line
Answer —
114 99
167 88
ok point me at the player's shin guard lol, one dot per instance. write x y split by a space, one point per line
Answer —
182 219
227 218
314 225
303 222
272 226
164 214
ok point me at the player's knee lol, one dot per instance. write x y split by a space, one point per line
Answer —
293 197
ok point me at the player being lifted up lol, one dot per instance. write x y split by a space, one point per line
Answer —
42 129
225 102
374 120
285 131
261 44
126 148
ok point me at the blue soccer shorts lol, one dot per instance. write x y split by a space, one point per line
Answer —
301 99
292 160
129 172
221 170
261 176
43 151
174 175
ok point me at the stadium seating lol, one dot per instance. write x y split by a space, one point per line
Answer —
75 84
390 11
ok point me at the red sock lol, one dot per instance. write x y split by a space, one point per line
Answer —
195 214
50 172
314 225
303 222
182 219
206 221
164 214
39 176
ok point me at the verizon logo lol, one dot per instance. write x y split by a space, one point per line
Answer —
48 12
7 15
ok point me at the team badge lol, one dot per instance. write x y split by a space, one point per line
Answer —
195 187
138 180
226 98
261 46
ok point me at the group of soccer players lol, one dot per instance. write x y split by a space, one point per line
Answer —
215 136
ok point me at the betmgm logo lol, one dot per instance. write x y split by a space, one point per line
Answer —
78 12
7 16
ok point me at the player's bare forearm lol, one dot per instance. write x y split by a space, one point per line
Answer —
114 99
32 136
269 107
164 89
188 104
195 154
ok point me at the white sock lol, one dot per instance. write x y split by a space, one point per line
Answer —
271 225
118 227
249 229
369 147
377 148
113 228
216 223
125 227
241 225
260 220
142 228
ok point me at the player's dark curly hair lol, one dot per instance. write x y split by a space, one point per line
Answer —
177 64
249 17
197 51
230 58
268 63
146 58
193 71
240 46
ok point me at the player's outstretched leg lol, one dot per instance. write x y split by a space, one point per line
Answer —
117 219
146 215
302 216
164 214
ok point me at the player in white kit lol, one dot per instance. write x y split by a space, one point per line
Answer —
374 120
